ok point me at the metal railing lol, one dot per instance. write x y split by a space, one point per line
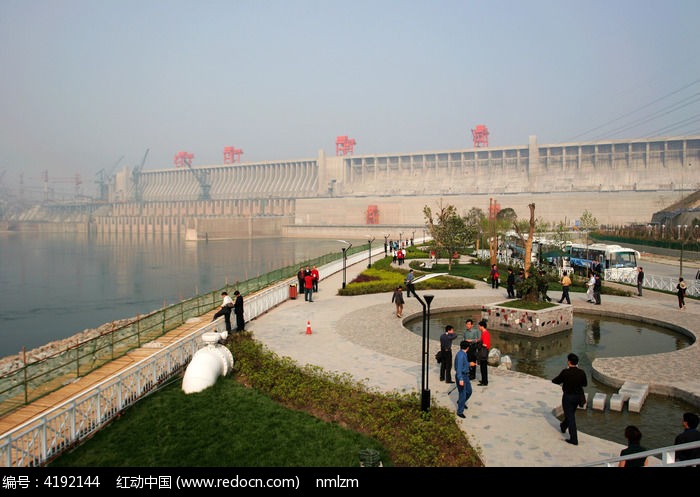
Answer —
46 436
32 379
662 283
665 456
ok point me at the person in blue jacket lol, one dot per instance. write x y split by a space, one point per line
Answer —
464 386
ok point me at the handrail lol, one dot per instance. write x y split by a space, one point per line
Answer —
668 457
56 430
32 380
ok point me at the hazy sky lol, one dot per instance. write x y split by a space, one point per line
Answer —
86 82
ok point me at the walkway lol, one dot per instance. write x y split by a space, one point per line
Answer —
512 420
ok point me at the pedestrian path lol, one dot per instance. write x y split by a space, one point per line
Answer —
512 421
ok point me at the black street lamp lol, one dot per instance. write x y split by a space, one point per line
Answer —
386 244
400 246
425 391
413 234
369 242
681 235
345 257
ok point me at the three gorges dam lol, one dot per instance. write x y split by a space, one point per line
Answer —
619 182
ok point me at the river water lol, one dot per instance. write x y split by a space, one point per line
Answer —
592 336
53 286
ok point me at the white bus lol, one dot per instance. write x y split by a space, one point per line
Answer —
605 259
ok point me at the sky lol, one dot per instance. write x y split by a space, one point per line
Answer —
89 87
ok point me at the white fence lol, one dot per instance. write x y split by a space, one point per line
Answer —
666 457
49 434
663 283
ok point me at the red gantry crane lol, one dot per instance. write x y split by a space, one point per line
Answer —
344 145
480 134
232 155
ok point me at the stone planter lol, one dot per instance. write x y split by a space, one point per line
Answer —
529 323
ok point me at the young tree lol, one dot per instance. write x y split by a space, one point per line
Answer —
588 223
449 231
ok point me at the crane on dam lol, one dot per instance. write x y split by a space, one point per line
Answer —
104 176
136 178
201 175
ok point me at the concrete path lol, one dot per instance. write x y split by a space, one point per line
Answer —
513 420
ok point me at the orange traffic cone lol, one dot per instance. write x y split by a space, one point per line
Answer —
308 327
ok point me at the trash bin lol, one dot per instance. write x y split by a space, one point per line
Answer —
293 291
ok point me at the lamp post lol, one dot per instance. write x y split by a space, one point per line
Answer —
386 244
425 391
413 235
400 246
345 257
681 235
369 242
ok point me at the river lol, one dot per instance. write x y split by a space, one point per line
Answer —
53 286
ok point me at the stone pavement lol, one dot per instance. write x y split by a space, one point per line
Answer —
512 421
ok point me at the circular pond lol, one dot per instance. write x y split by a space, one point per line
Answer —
591 337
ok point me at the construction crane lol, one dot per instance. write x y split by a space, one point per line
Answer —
232 155
136 178
202 176
103 177
480 135
344 145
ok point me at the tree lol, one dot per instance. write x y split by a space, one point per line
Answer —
529 291
449 231
588 223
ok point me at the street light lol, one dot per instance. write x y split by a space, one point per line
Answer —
400 246
369 242
425 391
386 244
413 234
682 237
345 257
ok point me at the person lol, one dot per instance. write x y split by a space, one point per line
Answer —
238 311
544 286
681 288
640 280
409 284
472 336
634 437
565 284
572 380
511 283
495 277
308 287
397 298
317 276
690 433
597 287
300 279
225 310
518 281
484 347
464 386
446 349
589 284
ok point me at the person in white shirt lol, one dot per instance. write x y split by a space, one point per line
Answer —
225 310
589 284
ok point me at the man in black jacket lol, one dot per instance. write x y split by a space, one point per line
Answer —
238 311
572 380
446 349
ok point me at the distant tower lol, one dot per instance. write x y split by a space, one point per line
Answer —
344 145
232 155
481 136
